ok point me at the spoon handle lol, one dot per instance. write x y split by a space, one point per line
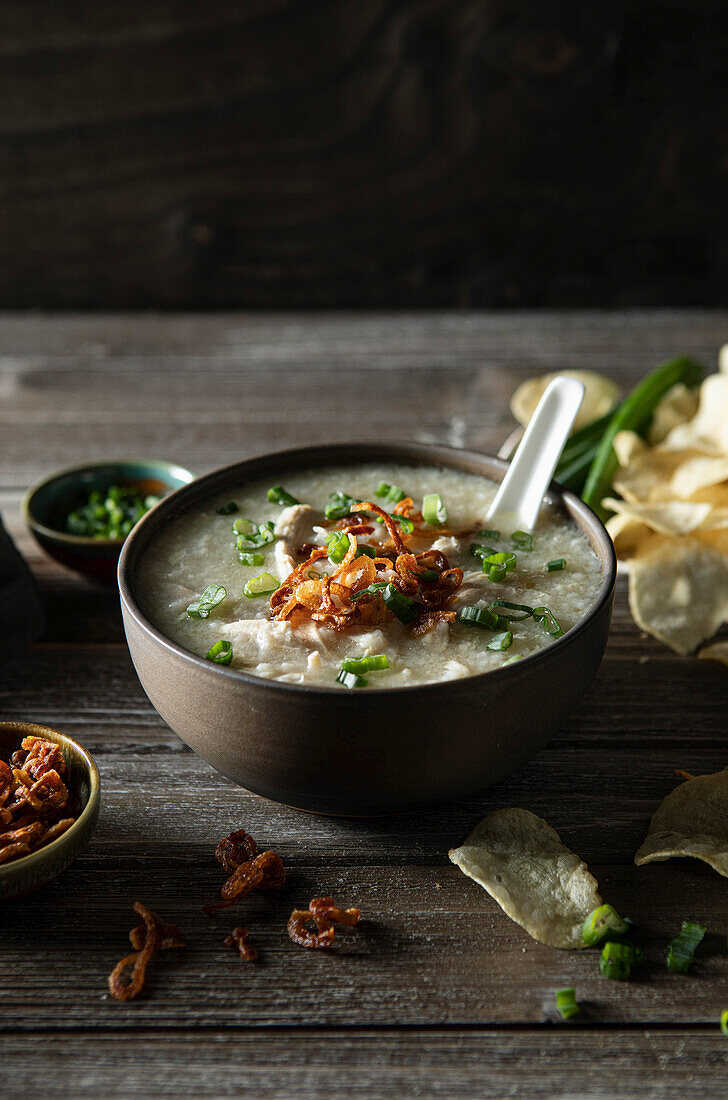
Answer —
518 501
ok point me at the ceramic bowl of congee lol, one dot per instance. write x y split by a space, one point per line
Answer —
337 628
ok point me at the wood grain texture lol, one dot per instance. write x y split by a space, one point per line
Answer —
437 993
337 153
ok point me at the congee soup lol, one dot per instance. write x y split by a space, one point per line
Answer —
364 576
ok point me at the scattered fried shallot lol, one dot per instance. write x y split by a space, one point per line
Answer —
324 914
238 938
154 935
247 869
35 803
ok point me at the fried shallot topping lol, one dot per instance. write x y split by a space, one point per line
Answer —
35 804
247 869
238 938
154 935
324 914
352 595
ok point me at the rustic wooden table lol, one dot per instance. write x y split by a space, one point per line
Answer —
438 993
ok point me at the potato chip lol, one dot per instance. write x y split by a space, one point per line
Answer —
678 405
678 589
707 431
692 821
601 395
538 883
627 445
723 359
670 517
716 651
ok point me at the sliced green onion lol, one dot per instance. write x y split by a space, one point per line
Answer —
506 558
211 597
681 952
555 565
527 611
434 511
426 574
500 641
406 524
566 1003
337 546
360 665
489 534
228 509
390 492
482 617
351 680
109 514
724 1021
340 505
622 949
546 618
405 608
263 585
366 552
600 922
495 573
243 526
479 551
522 540
246 558
372 590
278 495
616 961
261 536
221 653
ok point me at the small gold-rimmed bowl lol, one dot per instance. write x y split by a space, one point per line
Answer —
28 873
47 504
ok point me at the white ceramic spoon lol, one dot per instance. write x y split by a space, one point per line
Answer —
518 501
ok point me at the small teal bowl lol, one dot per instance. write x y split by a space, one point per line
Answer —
46 505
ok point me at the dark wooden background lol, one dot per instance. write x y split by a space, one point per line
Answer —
296 153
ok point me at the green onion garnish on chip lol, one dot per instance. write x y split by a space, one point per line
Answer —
434 511
556 565
681 952
263 585
221 653
566 1003
211 597
278 495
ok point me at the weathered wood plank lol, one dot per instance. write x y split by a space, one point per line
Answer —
134 385
665 1064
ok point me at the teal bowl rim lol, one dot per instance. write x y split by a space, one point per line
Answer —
173 469
9 870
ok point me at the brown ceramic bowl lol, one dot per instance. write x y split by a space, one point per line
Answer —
363 752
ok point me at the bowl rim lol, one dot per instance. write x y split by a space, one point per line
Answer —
94 779
359 450
86 540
